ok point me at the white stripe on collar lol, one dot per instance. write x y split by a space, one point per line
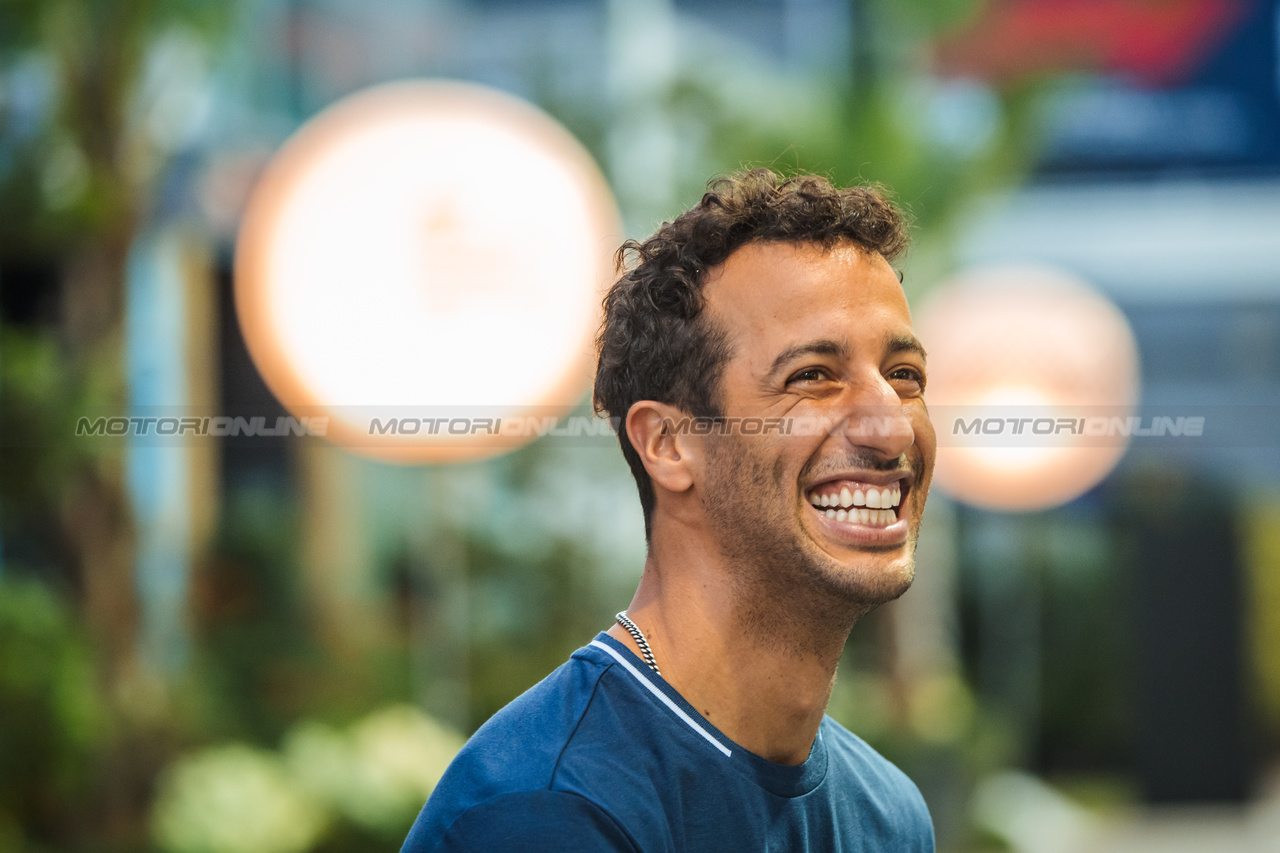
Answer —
666 700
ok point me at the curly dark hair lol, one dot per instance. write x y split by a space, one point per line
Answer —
656 343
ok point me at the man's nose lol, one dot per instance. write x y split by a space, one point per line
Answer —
876 418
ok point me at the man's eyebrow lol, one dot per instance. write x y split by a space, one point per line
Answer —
818 347
908 343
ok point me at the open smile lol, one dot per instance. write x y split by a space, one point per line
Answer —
862 513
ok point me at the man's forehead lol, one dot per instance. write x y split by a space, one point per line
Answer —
766 287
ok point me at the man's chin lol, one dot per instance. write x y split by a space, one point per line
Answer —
866 583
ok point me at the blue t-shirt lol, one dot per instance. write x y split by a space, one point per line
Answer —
603 755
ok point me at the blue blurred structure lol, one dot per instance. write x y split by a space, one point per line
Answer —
158 471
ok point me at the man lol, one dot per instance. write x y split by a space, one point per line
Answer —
760 357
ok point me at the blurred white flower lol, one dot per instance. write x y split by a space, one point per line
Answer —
378 773
238 799
234 799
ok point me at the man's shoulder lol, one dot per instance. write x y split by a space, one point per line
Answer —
519 746
502 780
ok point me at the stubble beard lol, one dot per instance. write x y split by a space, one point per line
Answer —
789 594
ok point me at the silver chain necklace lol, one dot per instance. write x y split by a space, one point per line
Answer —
626 622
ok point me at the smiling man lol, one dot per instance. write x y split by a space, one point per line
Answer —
759 353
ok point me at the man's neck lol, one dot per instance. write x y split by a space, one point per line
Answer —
766 693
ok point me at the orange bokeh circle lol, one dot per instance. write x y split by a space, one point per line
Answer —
1015 347
429 251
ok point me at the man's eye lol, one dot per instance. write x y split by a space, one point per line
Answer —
908 374
809 374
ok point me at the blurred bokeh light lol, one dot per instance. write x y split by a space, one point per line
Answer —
426 249
1012 346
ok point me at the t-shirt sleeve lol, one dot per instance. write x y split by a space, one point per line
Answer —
536 821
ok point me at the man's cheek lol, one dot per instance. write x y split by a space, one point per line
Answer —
922 425
927 446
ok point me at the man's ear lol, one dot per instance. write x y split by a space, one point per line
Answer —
661 436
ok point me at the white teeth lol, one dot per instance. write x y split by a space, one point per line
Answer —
874 499
869 517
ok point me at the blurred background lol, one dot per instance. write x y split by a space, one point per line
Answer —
272 644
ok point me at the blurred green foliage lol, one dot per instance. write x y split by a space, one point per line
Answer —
76 158
40 399
55 719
